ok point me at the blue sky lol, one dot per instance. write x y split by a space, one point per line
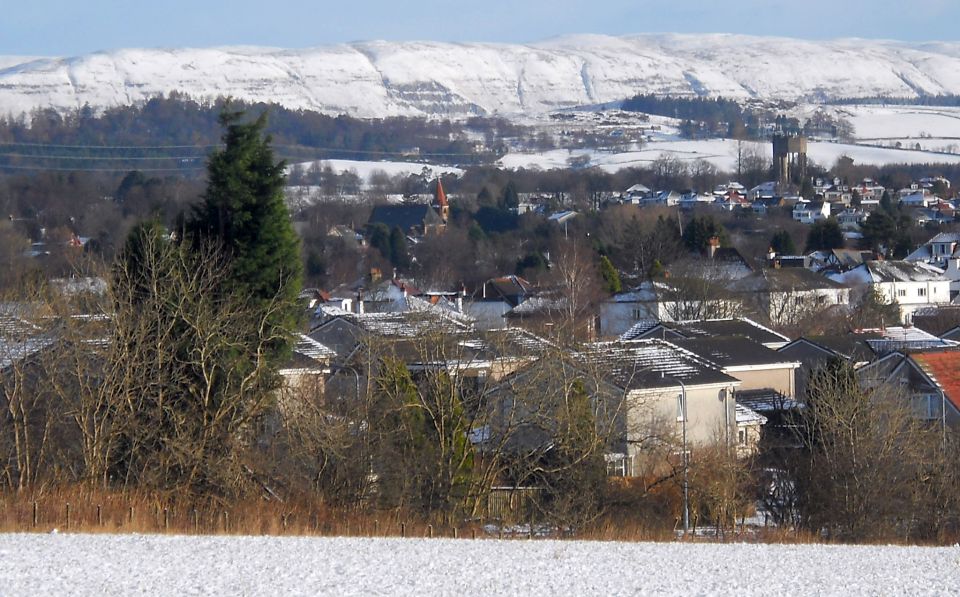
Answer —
70 27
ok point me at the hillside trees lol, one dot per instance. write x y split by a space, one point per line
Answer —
198 329
824 235
870 467
697 234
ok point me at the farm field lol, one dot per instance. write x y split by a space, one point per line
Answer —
75 564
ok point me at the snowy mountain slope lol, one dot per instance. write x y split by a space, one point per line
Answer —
377 79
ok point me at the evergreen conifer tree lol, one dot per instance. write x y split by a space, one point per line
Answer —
244 212
611 278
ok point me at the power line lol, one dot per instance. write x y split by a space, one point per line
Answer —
55 146
99 158
87 169
276 146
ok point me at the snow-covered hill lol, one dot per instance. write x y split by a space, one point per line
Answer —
378 79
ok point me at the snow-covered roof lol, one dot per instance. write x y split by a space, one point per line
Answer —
313 349
650 364
647 291
748 416
879 272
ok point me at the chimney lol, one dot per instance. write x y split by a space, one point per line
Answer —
712 245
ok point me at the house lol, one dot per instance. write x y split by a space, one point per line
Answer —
789 296
928 380
837 260
943 252
649 400
757 367
412 219
303 375
851 219
708 328
749 424
491 302
666 386
345 333
657 300
811 211
911 286
721 263
637 193
695 200
763 206
819 351
917 199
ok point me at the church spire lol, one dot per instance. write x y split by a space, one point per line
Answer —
440 201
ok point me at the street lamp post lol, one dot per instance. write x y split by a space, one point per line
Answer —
686 462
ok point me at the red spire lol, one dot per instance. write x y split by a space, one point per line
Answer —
441 196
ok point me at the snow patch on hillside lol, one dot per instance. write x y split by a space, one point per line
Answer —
380 79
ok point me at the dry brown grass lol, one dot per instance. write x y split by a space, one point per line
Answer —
79 509
94 511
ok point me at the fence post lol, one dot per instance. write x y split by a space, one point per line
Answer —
473 533
226 521
376 528
454 532
196 521
130 516
166 519
68 515
35 514
99 515
430 531
403 529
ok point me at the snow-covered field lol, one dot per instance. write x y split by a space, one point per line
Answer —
721 153
364 169
68 564
892 122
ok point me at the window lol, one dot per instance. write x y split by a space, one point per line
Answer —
929 406
637 313
618 465
902 292
921 292
742 437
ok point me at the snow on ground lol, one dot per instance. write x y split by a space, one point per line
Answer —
721 153
897 122
62 564
364 169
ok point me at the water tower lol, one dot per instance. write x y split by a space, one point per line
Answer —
789 156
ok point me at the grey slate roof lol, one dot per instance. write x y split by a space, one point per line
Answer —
651 364
707 328
784 280
732 351
405 217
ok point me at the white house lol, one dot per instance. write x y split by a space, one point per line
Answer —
911 285
788 296
943 252
811 211
655 301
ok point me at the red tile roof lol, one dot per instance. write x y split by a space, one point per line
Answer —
944 368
